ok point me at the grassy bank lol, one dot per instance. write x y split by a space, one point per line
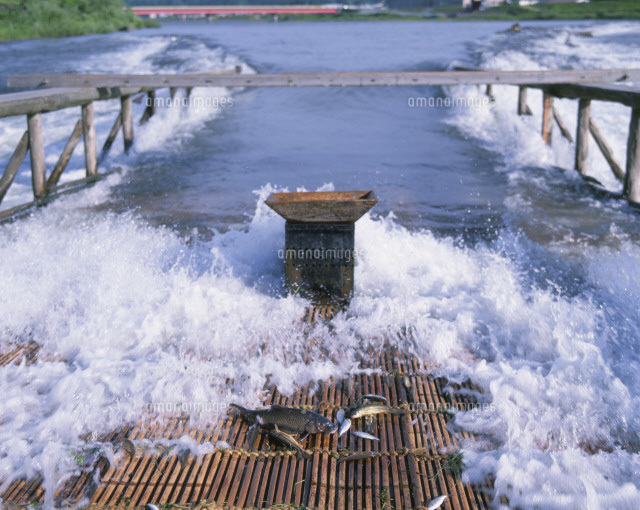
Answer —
595 9
25 19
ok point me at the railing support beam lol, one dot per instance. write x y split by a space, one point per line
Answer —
582 136
547 117
127 121
36 151
632 178
89 135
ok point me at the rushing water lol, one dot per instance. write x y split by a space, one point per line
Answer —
485 255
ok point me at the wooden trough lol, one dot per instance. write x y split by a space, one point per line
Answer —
418 453
322 206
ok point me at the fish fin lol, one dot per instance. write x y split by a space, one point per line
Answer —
275 427
302 438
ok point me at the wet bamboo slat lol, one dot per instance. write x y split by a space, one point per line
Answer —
411 469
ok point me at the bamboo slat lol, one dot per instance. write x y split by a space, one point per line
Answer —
412 467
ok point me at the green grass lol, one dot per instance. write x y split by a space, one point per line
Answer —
595 9
26 19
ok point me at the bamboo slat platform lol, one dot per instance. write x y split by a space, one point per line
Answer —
416 459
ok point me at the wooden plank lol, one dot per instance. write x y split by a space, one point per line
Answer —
89 135
47 100
65 156
629 96
563 127
606 150
14 164
127 121
582 136
523 107
547 118
110 138
358 79
632 178
36 151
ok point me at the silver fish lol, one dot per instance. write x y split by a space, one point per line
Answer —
365 435
346 424
340 416
437 502
150 506
374 408
376 398
359 456
128 446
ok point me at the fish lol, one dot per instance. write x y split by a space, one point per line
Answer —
437 502
370 423
289 441
128 446
150 506
365 435
359 456
377 398
340 416
346 424
288 419
414 421
374 408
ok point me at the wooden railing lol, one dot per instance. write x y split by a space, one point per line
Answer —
82 90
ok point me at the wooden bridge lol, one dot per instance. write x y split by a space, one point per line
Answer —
418 456
57 91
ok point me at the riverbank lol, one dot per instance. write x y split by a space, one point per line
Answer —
30 19
596 9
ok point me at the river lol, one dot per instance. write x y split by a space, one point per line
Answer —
487 255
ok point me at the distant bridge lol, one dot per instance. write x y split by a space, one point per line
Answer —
234 10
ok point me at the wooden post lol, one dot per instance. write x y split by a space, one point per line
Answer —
489 93
523 107
188 89
172 92
606 149
14 164
112 136
127 122
582 135
89 135
150 107
632 178
65 156
547 117
36 152
563 127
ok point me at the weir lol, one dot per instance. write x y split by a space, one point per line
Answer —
418 455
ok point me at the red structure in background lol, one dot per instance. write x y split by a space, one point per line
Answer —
233 10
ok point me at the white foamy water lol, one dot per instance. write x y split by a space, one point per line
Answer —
559 366
543 317
173 124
